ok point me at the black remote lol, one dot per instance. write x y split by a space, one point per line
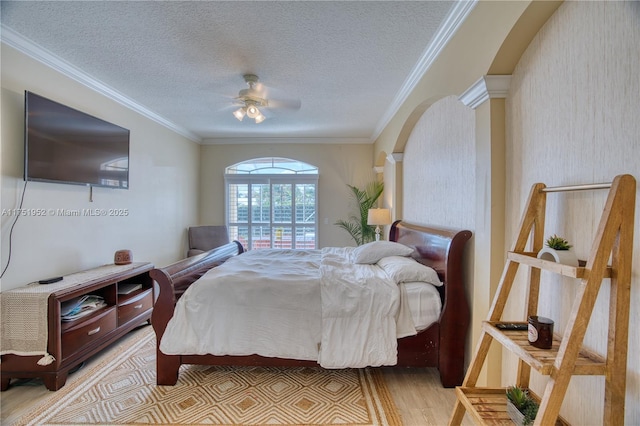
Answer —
50 280
511 326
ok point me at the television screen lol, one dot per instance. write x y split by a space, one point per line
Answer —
68 146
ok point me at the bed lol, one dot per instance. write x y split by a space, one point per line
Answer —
440 345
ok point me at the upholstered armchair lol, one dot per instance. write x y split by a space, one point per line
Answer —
204 238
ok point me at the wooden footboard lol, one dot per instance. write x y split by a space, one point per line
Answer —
442 345
172 281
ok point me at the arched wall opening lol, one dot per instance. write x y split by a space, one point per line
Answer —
467 59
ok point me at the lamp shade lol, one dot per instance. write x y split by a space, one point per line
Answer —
260 118
379 217
239 113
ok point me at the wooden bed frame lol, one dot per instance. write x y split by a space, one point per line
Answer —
442 345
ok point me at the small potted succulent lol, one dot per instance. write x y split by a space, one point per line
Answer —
558 250
558 243
521 408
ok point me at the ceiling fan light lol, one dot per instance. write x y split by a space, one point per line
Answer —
239 113
260 118
253 111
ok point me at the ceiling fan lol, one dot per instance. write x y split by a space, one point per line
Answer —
255 97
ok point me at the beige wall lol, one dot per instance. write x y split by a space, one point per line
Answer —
439 174
161 202
439 166
572 117
338 166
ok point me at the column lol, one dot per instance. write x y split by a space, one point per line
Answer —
487 98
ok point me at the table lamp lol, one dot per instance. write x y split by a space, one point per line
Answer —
378 217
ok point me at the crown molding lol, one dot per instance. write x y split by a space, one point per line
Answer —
395 157
22 44
279 140
487 87
445 32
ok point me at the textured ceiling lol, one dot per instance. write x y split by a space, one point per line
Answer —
346 61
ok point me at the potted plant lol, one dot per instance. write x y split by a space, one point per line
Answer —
558 250
365 199
558 243
521 408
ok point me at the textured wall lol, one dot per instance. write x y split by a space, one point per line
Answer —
439 167
572 117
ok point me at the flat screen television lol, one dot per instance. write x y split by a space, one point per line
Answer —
64 145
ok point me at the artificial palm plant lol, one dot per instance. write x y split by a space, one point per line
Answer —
365 199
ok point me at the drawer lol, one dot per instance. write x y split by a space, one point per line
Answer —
86 332
134 306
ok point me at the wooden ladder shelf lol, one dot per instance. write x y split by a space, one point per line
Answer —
614 240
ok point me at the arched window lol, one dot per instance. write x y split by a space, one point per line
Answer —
272 203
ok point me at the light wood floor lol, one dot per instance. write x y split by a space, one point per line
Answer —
418 394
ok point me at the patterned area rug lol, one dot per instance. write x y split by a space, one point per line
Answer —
122 391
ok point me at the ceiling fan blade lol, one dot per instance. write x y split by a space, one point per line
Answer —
263 96
291 104
259 87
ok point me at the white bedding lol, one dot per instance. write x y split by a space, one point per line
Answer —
309 305
424 304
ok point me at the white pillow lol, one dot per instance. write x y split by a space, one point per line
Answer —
371 252
406 269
